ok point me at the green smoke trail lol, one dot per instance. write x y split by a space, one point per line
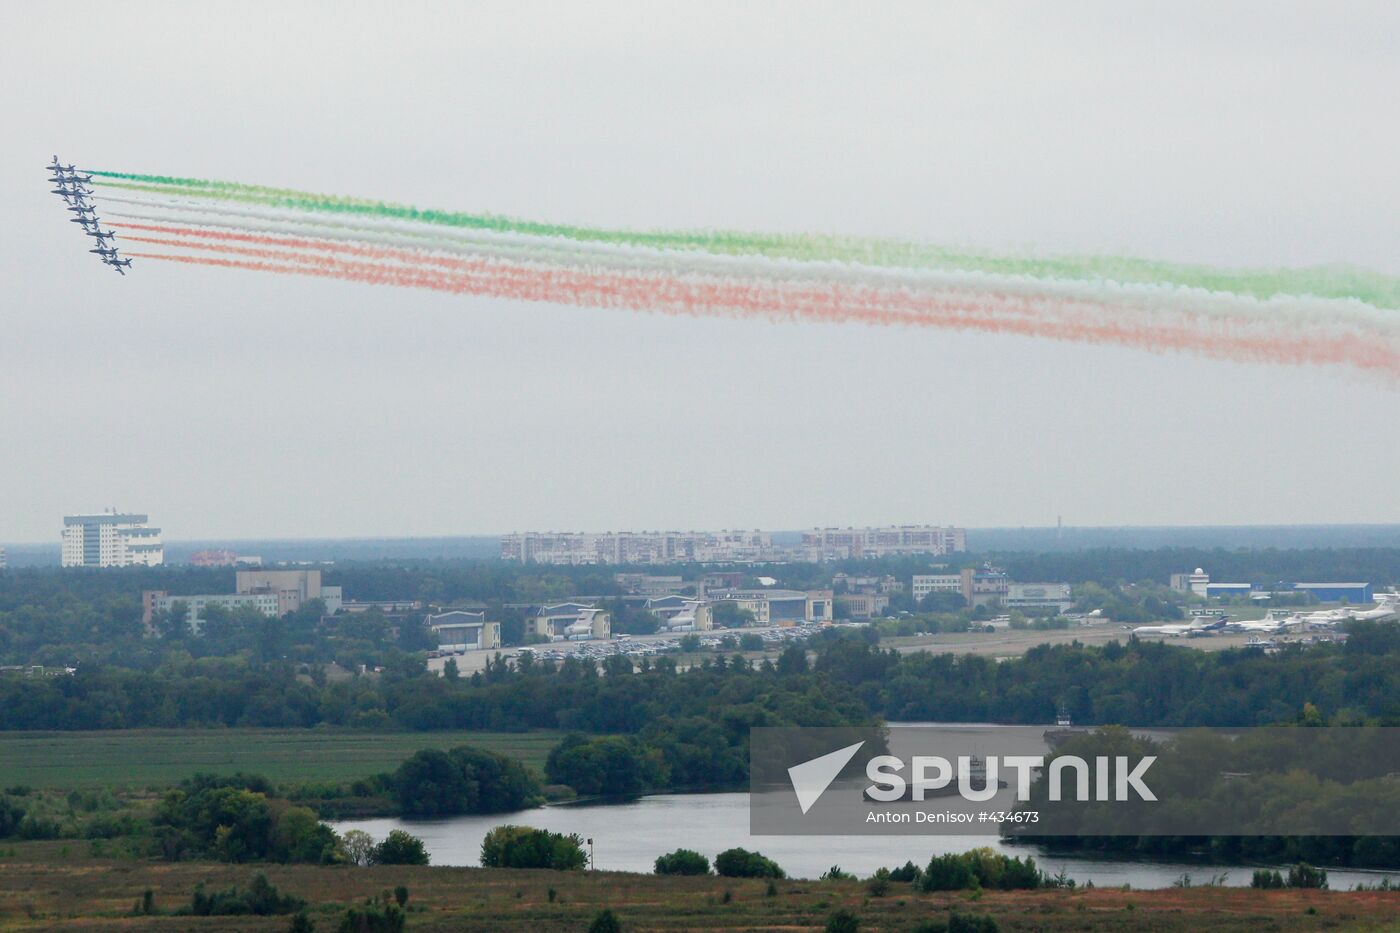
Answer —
1373 288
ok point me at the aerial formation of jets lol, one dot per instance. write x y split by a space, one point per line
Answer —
72 188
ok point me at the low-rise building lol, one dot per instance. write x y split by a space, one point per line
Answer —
923 584
194 607
861 605
459 631
643 584
1038 596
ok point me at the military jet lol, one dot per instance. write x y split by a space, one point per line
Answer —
100 234
106 252
118 264
84 209
59 169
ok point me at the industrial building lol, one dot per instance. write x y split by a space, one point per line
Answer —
1200 584
1038 596
110 539
291 587
779 607
570 622
681 613
460 631
860 605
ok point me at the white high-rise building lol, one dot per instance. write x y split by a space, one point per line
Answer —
111 539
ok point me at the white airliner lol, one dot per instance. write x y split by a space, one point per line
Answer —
1177 630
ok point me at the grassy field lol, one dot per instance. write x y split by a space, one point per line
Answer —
147 757
49 886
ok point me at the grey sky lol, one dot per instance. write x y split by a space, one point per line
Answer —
232 404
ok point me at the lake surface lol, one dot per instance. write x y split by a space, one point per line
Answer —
629 836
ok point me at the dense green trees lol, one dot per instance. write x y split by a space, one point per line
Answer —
462 780
527 847
400 848
611 766
234 819
682 862
741 863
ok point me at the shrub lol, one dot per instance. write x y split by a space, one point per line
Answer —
400 848
879 883
527 847
971 923
906 873
843 921
1264 878
261 899
376 915
834 873
11 815
741 863
605 922
682 862
1304 875
948 873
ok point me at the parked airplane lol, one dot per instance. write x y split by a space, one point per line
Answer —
1176 630
1269 623
1387 607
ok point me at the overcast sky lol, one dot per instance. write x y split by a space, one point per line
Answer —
229 404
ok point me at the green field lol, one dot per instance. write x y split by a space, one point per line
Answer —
151 757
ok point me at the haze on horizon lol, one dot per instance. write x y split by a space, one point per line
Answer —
235 406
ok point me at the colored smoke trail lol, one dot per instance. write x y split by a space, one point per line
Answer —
1301 316
679 296
1324 282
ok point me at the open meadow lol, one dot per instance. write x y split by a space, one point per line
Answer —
155 757
56 886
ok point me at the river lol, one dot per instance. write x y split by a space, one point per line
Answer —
629 836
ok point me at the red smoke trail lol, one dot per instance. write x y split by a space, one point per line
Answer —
1047 318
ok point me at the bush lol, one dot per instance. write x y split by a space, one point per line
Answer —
906 873
605 922
971 923
11 815
834 873
948 873
1304 875
879 883
462 780
376 915
1264 878
261 899
526 847
741 863
400 848
843 921
682 862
